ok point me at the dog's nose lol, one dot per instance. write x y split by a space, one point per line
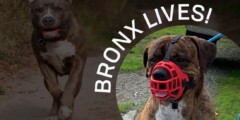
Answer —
161 74
48 21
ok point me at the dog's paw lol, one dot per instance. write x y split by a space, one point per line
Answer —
65 112
52 118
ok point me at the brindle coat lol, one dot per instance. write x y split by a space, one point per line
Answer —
193 55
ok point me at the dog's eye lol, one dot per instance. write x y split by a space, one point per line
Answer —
38 10
153 61
59 8
180 60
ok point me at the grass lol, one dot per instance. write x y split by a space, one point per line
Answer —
228 97
133 60
224 43
125 107
228 90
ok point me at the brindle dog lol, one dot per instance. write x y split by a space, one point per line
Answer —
193 55
58 45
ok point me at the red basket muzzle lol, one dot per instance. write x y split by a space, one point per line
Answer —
167 81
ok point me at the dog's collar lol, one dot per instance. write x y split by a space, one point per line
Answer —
188 85
41 41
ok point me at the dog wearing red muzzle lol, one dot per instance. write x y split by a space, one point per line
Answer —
175 66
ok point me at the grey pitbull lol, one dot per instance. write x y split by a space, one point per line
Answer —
58 45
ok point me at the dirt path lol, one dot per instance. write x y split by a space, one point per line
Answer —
26 97
22 97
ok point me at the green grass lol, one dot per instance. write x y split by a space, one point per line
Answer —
125 107
134 61
228 96
224 43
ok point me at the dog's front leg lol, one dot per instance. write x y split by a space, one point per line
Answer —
149 111
72 87
51 83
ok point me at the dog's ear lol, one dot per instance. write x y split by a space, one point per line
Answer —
30 1
206 52
145 57
69 1
145 60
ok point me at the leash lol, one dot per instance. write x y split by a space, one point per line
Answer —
216 37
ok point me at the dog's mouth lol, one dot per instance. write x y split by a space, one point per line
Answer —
161 94
51 33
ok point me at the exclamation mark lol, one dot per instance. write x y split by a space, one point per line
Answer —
208 15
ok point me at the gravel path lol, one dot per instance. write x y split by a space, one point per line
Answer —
134 87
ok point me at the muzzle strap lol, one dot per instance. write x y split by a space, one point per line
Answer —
188 84
172 88
169 49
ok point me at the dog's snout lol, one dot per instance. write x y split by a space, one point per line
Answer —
48 21
161 74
